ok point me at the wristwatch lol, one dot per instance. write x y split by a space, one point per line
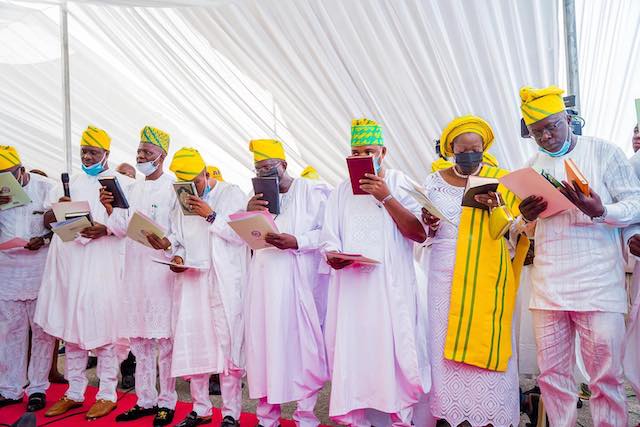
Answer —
211 217
600 219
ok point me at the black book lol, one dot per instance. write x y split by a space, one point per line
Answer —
113 186
478 185
270 189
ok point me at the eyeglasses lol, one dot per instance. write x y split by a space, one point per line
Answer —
537 134
267 167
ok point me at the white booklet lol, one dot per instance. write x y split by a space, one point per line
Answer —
140 226
356 258
9 186
65 210
69 229
253 226
420 196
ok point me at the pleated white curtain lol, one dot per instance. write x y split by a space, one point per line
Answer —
299 70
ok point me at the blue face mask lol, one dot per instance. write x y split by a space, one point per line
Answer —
376 165
206 191
562 151
95 169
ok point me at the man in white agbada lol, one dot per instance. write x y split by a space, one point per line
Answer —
370 330
578 272
146 291
207 301
285 350
632 338
78 297
21 272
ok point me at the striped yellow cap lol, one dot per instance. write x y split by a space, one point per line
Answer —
538 104
94 137
155 136
8 157
214 172
264 149
187 164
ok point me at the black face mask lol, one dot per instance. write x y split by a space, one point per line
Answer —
468 162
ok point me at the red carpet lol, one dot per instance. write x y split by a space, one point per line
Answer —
9 414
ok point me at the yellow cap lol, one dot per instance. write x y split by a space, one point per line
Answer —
155 136
8 157
310 173
538 104
187 164
214 173
465 124
94 137
264 149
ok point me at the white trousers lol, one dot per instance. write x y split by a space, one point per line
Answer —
75 371
16 317
269 414
365 418
602 344
150 352
231 391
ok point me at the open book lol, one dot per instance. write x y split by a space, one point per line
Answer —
528 182
14 243
420 196
253 226
9 186
173 264
141 226
356 258
69 229
478 185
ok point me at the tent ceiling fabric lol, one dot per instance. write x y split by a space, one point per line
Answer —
300 70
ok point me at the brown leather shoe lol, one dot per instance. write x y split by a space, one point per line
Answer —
61 406
100 409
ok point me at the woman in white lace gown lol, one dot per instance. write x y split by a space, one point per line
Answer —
460 392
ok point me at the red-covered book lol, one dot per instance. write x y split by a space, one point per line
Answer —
358 167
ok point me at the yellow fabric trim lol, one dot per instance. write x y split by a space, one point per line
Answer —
483 290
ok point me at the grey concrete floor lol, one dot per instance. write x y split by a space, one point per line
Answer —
322 408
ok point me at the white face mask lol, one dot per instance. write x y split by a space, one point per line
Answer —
148 168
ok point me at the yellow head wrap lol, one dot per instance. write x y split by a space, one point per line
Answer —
155 136
214 172
540 103
264 149
310 173
94 137
365 132
8 157
187 164
465 124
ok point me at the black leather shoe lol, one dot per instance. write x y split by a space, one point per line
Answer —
229 421
164 416
136 413
6 402
37 401
194 420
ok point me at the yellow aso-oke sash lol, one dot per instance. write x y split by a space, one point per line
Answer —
536 104
484 287
94 137
465 124
264 149
155 136
214 172
8 157
310 173
187 164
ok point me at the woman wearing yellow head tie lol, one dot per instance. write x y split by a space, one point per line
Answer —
472 288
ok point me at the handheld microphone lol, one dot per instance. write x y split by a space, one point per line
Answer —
65 184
